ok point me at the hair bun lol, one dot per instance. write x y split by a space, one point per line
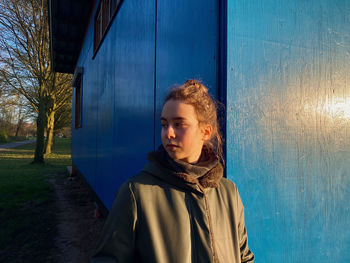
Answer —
192 82
196 84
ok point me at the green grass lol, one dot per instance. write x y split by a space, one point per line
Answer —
27 208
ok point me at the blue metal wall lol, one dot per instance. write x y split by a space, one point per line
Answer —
150 46
187 47
118 101
288 126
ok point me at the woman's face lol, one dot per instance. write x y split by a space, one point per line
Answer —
182 136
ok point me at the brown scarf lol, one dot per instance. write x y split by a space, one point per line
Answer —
206 173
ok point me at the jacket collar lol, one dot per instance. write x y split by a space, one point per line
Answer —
205 174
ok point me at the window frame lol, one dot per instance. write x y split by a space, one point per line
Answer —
77 83
104 16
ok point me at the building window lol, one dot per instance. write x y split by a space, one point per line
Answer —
105 13
77 84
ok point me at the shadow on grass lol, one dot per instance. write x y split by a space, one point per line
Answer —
27 205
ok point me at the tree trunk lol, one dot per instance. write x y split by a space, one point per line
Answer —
19 126
40 124
49 132
20 120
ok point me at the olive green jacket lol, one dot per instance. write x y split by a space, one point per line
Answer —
164 216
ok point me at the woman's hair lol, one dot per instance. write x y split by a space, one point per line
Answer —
194 93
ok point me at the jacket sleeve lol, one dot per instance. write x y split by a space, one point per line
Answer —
117 241
246 254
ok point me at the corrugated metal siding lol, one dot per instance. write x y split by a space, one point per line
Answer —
288 127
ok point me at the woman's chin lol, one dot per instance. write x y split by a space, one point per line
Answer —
173 154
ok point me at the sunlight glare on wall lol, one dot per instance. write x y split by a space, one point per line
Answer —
335 108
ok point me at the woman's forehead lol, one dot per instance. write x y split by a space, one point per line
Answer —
174 109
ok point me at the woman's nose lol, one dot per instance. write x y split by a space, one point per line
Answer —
170 133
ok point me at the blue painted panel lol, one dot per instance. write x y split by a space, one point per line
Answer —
105 128
118 112
84 139
288 126
187 47
133 47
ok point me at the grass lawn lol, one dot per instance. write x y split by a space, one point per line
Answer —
27 207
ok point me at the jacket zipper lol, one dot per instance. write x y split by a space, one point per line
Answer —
193 243
211 232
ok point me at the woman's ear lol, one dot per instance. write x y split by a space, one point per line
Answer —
207 130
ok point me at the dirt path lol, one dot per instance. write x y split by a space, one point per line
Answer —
78 230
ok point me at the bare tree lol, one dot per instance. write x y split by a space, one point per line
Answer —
59 100
25 64
63 118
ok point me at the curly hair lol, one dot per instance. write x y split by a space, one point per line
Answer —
194 93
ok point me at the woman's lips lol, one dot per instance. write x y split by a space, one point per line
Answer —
171 146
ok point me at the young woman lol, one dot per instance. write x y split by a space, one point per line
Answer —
179 208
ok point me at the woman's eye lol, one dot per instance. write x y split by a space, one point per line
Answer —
164 125
178 124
